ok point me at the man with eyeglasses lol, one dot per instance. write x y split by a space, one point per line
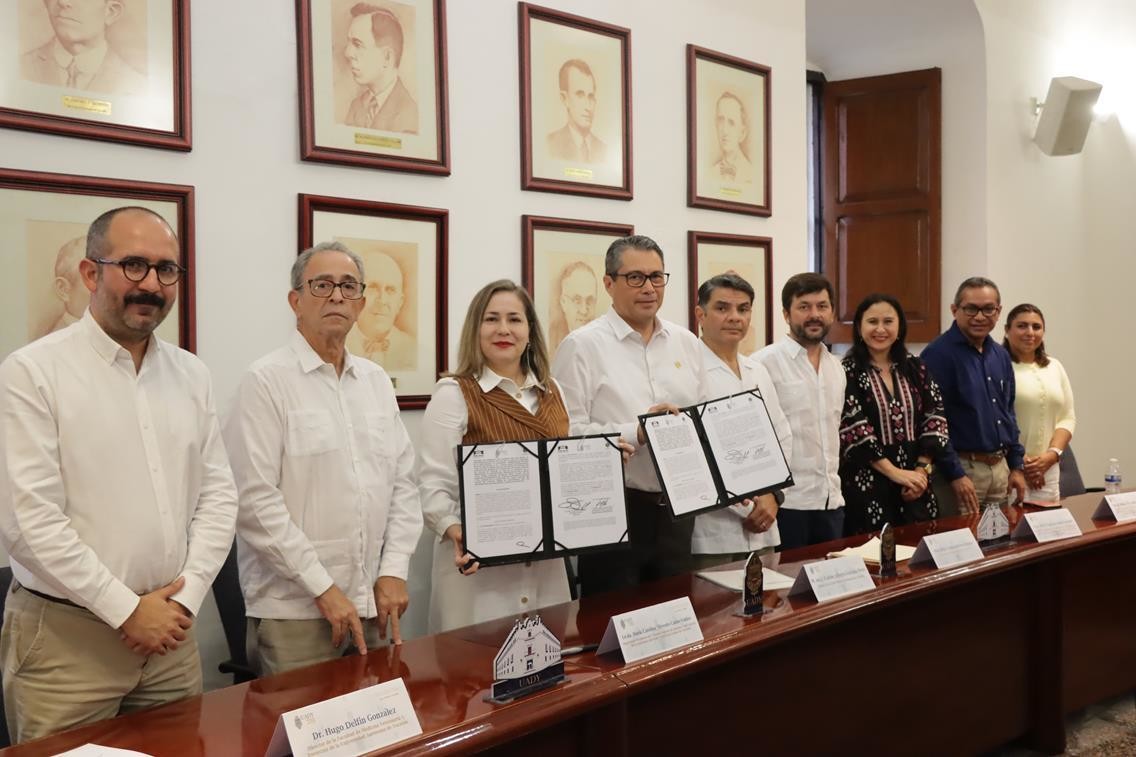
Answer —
983 462
329 514
116 500
612 370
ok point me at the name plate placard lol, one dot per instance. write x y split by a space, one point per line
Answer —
1049 525
948 549
832 579
1118 507
652 630
348 725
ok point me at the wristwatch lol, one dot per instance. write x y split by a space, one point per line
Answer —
927 468
1058 452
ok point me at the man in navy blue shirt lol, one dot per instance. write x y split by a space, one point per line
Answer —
983 462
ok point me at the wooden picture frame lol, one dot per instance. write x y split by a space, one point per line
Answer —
710 253
399 244
139 93
575 140
404 125
560 253
728 110
43 231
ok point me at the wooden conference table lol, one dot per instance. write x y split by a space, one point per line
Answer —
949 662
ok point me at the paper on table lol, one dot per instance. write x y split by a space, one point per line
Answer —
682 464
585 479
735 579
870 552
744 444
502 499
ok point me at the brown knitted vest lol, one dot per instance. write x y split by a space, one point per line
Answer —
494 416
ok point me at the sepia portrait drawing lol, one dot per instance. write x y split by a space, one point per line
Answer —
562 266
575 104
402 325
386 331
106 69
43 236
373 83
710 254
727 133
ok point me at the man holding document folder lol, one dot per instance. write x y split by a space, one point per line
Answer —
614 369
724 311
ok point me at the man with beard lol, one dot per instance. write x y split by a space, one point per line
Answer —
983 462
810 385
116 500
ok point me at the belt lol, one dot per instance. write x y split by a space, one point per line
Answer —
987 458
48 597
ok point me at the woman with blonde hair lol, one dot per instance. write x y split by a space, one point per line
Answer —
501 391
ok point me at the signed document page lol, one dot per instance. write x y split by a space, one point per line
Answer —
585 481
744 444
683 469
501 499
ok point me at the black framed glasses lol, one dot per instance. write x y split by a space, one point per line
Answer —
637 279
350 289
137 269
972 310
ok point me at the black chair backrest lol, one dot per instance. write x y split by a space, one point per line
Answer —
231 608
5 582
1071 481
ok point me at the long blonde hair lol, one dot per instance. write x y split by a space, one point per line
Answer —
471 361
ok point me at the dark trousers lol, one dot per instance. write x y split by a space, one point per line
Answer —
800 528
660 547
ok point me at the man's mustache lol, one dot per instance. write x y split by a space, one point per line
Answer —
146 298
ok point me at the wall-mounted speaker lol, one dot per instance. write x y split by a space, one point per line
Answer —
1066 115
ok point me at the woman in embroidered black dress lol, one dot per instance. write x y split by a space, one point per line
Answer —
893 424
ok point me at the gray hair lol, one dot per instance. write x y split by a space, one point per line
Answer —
976 282
614 257
303 258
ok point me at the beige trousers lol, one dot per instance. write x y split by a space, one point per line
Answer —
282 645
64 667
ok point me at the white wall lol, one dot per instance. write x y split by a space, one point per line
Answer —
245 166
1061 229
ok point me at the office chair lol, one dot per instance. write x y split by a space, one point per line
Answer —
231 608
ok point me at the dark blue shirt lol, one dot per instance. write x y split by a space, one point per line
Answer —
978 396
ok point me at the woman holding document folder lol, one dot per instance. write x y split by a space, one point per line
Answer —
893 424
501 391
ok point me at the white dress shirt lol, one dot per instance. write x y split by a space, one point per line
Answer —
720 532
812 401
325 471
457 600
610 377
113 482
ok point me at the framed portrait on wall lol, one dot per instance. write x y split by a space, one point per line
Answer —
402 326
562 266
728 133
373 84
43 235
710 254
115 70
575 104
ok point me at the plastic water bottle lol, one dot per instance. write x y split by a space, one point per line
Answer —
1112 478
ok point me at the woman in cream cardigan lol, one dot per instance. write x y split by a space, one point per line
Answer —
1043 403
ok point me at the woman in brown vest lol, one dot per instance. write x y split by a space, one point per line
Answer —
501 391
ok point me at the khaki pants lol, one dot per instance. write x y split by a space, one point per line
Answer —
64 667
282 645
990 482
